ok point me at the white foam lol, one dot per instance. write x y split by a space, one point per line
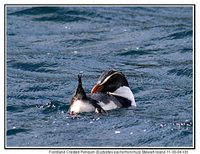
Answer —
117 132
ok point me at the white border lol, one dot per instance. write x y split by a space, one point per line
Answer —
88 2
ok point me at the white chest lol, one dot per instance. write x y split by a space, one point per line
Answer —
81 106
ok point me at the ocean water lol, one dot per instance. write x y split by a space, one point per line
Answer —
46 47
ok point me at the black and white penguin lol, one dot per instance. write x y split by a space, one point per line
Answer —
111 91
80 102
115 84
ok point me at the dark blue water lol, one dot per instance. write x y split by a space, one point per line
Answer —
48 46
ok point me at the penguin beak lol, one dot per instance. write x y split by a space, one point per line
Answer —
96 88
